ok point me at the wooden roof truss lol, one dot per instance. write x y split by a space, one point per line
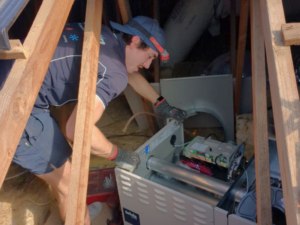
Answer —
25 79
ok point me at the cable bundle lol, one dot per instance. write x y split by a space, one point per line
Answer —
201 168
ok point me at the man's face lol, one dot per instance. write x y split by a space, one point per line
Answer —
138 58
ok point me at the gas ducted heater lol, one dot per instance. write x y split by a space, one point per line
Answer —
201 182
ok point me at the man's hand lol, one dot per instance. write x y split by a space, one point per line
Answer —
168 111
126 159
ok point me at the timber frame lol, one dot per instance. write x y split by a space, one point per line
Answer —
25 79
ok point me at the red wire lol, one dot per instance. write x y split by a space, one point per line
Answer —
195 166
200 159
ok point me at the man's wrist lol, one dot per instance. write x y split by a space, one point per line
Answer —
159 100
114 153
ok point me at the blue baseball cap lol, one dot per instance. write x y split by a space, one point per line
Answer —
146 23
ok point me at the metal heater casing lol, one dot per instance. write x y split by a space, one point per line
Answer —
147 203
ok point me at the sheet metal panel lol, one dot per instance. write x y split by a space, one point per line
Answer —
209 94
147 203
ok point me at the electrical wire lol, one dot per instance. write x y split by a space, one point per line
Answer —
8 178
182 144
39 204
212 134
247 179
25 171
217 158
241 147
217 162
125 135
201 159
137 114
195 166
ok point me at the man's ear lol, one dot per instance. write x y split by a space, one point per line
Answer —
135 41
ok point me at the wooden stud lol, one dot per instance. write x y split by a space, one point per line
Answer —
291 33
152 121
285 103
85 113
36 6
156 64
105 15
260 126
232 36
17 51
21 88
125 10
243 27
118 13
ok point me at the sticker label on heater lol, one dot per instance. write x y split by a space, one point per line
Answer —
131 217
147 150
198 146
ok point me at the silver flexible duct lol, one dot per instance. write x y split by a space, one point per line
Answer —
190 177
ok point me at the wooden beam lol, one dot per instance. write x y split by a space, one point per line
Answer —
152 121
21 88
243 27
36 6
85 114
291 33
261 146
125 10
285 103
156 71
105 14
16 52
232 36
118 14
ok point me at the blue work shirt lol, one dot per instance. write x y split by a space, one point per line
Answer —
61 83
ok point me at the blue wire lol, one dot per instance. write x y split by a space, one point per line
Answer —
242 150
240 147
